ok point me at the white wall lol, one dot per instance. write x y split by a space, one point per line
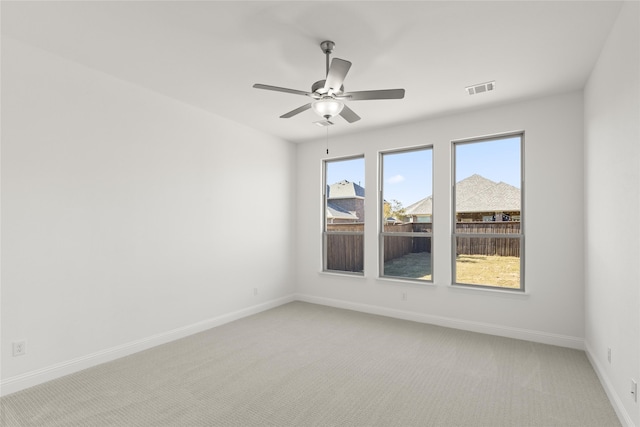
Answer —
612 203
128 217
552 311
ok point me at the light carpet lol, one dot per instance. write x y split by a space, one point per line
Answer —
302 364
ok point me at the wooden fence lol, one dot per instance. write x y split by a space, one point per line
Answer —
507 227
488 245
346 252
399 246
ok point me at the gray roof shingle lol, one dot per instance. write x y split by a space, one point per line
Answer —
344 189
336 212
475 194
421 207
498 198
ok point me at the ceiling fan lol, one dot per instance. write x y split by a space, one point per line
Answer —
329 95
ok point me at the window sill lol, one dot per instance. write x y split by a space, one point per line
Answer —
342 274
404 282
472 289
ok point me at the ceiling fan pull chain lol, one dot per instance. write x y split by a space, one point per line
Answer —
327 140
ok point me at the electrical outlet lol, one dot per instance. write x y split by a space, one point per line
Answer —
634 390
609 355
255 291
404 296
19 348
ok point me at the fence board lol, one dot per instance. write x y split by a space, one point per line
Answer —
345 252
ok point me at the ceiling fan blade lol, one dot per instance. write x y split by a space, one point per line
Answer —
337 72
348 114
376 94
296 111
281 89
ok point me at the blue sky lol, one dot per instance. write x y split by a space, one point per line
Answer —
408 175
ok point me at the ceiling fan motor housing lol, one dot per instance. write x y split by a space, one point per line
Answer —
318 87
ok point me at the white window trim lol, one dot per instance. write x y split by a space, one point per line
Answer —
382 234
520 235
326 233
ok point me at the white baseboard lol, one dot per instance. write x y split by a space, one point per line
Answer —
614 398
39 376
484 328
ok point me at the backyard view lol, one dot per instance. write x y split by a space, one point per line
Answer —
412 266
406 234
500 271
343 240
488 233
487 194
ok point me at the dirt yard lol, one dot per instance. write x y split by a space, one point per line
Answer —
411 266
498 271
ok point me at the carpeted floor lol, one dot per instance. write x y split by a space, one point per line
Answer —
307 365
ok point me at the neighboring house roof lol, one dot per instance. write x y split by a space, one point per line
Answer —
483 195
421 207
336 212
471 186
475 194
344 189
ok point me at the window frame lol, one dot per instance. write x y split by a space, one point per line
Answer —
520 235
325 232
381 219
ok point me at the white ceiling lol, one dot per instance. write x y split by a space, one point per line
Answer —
210 53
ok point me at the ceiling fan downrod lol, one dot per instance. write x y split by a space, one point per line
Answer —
327 47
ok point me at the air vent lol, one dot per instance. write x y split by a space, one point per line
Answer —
482 87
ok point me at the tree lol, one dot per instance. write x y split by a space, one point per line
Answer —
394 209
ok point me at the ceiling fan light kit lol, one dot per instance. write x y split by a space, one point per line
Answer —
327 107
329 95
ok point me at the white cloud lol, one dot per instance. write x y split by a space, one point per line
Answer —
395 179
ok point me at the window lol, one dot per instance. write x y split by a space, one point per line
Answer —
343 231
406 207
488 239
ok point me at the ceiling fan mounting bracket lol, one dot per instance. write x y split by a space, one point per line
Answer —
327 46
